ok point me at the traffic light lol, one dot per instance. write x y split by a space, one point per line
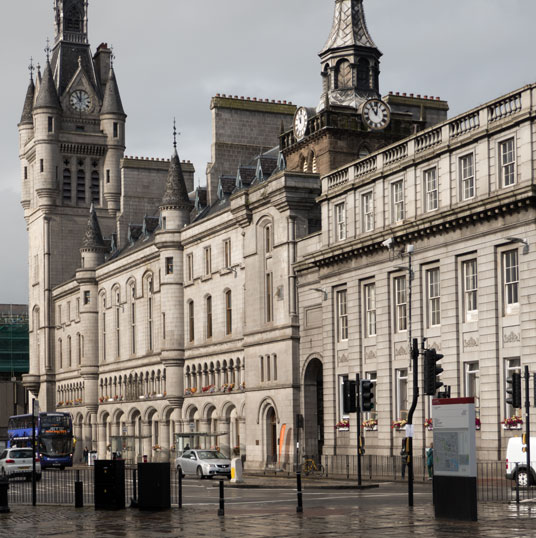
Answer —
366 395
349 403
431 371
513 387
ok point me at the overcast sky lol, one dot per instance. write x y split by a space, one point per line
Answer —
172 56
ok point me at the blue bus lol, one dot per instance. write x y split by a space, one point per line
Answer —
54 434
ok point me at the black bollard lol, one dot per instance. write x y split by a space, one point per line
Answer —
180 488
299 508
221 511
134 485
78 492
517 486
4 501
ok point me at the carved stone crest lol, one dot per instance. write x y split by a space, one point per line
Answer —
511 338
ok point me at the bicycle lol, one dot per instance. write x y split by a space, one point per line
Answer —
309 466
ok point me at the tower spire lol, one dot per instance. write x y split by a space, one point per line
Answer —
350 59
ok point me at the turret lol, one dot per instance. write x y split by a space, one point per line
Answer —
46 119
113 125
26 133
176 205
350 59
93 247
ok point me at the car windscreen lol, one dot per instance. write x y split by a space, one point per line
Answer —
18 454
210 455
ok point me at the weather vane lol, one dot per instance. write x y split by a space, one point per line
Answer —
175 133
47 49
31 68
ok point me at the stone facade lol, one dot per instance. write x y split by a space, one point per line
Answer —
233 312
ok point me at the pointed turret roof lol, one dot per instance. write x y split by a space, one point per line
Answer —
27 110
111 103
176 195
349 27
47 96
93 238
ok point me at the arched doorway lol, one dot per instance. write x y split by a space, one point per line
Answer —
313 395
271 436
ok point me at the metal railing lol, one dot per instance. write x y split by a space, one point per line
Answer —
58 487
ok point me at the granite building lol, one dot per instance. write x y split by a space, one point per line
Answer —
233 311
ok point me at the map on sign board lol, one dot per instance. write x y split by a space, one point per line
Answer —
454 439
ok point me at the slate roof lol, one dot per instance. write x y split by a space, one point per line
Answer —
27 109
93 238
176 195
47 96
349 27
111 103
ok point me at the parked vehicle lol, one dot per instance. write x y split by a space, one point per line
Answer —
516 461
203 464
18 462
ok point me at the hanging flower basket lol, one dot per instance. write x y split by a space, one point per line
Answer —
512 423
429 424
343 425
370 425
477 423
399 424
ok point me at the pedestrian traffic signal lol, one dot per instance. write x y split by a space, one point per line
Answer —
349 403
431 371
366 395
513 387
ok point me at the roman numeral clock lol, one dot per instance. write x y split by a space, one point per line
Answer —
376 114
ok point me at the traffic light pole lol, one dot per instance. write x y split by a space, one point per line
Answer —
358 430
527 422
409 430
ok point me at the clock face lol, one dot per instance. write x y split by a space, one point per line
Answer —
300 123
80 101
376 114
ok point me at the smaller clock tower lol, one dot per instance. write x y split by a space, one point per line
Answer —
351 119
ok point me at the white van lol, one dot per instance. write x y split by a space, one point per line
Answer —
516 461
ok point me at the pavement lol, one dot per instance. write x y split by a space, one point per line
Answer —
270 510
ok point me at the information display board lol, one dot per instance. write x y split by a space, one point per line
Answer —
454 437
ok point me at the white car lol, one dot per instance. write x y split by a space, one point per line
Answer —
203 463
18 462
516 461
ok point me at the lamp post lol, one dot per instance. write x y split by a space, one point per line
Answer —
414 363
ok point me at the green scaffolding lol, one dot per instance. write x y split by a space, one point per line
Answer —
14 345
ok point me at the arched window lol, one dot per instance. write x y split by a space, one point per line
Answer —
79 347
132 294
228 313
69 352
344 75
60 354
150 312
67 185
208 306
191 325
363 74
103 326
73 20
81 186
268 239
95 187
325 79
117 299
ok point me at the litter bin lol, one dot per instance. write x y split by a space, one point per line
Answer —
154 486
4 502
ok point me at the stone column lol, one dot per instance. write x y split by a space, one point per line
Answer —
101 442
93 432
225 441
204 427
163 435
147 440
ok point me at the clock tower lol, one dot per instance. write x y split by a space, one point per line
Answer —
351 119
72 139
